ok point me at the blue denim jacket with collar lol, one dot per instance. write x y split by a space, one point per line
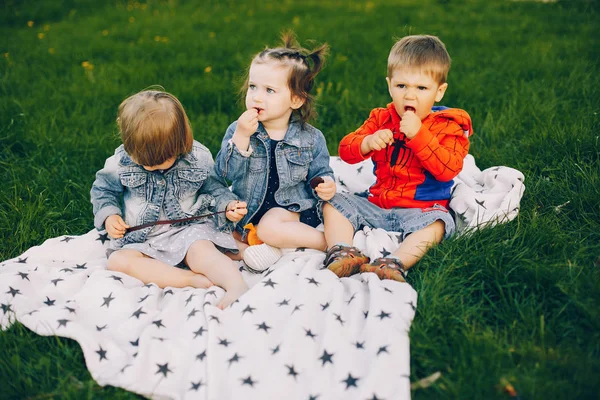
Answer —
189 188
300 156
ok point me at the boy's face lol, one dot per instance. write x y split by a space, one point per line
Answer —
414 90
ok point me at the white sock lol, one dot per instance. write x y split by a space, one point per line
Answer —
262 256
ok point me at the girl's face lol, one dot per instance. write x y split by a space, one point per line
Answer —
269 93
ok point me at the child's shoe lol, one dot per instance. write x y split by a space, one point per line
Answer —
261 256
386 268
344 260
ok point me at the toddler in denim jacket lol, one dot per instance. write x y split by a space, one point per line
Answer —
271 154
161 173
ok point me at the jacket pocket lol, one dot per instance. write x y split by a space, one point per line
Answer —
258 159
298 162
135 182
189 181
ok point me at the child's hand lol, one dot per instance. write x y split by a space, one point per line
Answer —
247 123
410 124
115 226
326 190
236 210
377 141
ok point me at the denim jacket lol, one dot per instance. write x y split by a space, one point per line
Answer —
300 156
189 188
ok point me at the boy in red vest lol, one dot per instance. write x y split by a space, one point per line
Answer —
416 150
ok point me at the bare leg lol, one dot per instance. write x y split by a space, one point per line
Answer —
149 270
337 227
242 246
415 245
204 258
282 228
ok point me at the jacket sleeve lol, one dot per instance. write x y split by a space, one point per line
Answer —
230 163
216 186
107 193
349 149
320 163
442 153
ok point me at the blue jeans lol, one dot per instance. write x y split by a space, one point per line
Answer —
361 212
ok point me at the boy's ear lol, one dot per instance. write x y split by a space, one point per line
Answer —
297 102
387 79
440 92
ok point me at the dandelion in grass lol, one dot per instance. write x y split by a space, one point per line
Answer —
207 69
105 32
88 67
211 35
46 28
164 39
6 55
157 38
30 24
41 35
131 20
296 20
319 90
369 6
51 50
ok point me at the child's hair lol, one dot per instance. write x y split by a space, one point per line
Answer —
424 52
154 127
304 66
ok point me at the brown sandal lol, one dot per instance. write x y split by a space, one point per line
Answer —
386 268
344 260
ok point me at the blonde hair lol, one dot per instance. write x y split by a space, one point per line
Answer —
154 127
425 52
304 66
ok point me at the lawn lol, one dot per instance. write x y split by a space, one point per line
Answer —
516 304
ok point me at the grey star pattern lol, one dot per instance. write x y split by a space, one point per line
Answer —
63 322
350 381
13 291
199 332
270 283
107 300
264 327
103 237
248 381
102 353
163 369
326 358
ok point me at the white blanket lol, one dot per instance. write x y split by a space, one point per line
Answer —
298 333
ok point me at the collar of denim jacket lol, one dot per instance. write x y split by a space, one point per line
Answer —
293 136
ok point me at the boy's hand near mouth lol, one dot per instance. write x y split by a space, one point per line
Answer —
410 123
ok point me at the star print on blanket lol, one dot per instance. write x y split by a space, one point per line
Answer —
299 332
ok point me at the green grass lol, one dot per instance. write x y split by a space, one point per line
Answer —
517 303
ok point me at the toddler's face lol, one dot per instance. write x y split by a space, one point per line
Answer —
414 90
269 93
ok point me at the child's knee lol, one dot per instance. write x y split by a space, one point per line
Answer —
119 261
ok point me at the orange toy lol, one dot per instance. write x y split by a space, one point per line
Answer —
252 236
